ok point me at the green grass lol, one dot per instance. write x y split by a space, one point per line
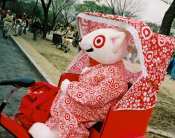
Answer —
164 112
56 56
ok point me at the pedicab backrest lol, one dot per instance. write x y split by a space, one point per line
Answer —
133 111
130 116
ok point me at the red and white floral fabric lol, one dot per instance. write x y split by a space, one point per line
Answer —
88 100
155 52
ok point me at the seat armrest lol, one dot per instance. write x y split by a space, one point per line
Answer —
19 82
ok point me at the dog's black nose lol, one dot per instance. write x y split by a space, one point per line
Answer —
90 50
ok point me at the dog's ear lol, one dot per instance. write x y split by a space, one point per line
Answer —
119 40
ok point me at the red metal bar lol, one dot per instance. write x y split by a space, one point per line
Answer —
13 127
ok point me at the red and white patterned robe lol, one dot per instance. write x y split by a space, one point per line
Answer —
88 100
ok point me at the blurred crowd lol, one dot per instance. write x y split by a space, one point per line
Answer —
12 23
64 38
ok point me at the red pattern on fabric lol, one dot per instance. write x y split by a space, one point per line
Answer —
157 50
89 99
78 63
94 93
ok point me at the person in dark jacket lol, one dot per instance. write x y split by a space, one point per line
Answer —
171 68
36 25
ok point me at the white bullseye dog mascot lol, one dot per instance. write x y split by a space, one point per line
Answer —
82 103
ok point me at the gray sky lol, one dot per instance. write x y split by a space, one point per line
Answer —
153 11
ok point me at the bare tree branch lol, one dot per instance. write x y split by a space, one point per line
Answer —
33 12
62 9
125 7
109 3
167 2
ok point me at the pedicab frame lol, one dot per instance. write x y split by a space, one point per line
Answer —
129 117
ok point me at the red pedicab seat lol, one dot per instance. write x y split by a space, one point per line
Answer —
129 117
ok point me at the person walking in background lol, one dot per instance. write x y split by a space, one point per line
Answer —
8 22
3 14
171 67
0 14
18 26
1 18
25 23
75 41
36 25
68 35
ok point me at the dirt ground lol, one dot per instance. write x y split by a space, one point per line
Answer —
56 56
164 113
151 135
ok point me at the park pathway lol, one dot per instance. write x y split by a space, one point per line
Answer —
13 63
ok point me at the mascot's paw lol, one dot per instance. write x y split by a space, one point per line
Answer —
40 130
86 69
64 85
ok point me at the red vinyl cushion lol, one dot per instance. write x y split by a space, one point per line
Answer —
126 124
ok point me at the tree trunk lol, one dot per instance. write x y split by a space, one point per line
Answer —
34 9
45 23
168 19
3 4
113 11
46 13
54 21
